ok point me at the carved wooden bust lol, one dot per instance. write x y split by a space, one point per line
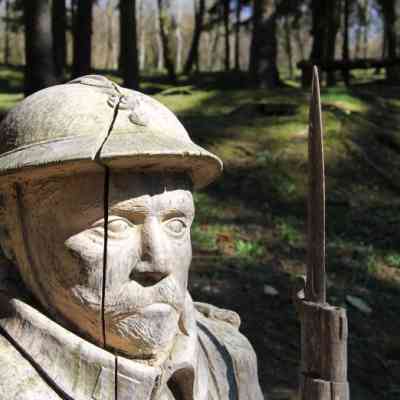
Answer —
96 207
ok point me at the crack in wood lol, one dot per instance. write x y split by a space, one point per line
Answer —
103 288
97 159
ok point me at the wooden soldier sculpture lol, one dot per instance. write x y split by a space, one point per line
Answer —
96 206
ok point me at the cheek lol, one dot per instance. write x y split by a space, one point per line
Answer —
181 257
122 256
84 261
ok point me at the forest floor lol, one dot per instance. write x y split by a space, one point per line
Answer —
249 235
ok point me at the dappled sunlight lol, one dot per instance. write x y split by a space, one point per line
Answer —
250 232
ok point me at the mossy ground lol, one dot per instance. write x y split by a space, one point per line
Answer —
251 224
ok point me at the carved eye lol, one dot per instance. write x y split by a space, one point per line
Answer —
176 226
118 225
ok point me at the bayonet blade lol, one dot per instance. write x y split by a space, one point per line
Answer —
316 286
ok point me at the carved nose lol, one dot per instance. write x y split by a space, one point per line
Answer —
153 264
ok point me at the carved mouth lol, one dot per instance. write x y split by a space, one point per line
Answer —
146 278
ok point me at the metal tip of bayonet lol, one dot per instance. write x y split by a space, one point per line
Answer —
315 289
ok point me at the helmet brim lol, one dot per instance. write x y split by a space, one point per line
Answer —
140 151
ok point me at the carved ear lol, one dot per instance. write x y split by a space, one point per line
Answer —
186 321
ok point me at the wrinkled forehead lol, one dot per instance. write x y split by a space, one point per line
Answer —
152 192
88 191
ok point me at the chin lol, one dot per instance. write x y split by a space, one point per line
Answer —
146 335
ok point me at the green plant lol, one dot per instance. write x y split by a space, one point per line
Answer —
393 259
249 249
288 232
203 238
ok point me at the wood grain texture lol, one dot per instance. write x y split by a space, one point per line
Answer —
324 328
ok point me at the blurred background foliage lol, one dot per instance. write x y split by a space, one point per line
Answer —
230 70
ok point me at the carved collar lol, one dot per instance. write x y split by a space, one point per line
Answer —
79 370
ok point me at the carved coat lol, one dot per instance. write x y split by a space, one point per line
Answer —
40 360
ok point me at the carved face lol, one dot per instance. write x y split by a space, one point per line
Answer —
148 254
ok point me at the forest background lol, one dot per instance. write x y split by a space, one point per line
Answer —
236 72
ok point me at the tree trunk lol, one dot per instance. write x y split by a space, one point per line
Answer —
255 37
318 30
213 55
82 38
288 45
390 17
39 69
193 55
169 65
128 49
264 47
160 50
366 28
142 36
227 60
357 47
109 63
59 26
325 26
178 36
7 35
332 12
318 33
345 50
237 34
299 42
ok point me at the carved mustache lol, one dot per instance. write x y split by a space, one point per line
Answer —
134 297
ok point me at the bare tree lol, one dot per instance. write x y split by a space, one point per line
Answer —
345 49
128 45
298 38
237 34
59 26
388 9
199 10
160 48
226 14
39 69
333 14
325 26
178 35
7 34
288 43
141 22
164 33
110 32
263 51
82 28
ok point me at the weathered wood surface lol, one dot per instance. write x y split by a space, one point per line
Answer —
315 285
324 328
104 249
324 352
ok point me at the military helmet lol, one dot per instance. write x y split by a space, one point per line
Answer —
91 121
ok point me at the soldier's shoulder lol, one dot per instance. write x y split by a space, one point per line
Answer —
19 379
228 352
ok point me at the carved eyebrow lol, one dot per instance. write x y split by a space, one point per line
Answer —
173 213
140 206
129 209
